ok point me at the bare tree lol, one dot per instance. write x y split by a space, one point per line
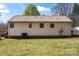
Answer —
62 9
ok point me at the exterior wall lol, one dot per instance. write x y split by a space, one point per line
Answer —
37 31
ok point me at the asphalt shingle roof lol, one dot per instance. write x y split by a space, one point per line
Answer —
39 19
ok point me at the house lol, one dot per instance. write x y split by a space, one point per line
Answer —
39 26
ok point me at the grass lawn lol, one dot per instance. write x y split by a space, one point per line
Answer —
39 47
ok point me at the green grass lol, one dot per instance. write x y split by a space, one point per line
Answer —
39 47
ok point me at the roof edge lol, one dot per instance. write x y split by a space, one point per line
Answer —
38 16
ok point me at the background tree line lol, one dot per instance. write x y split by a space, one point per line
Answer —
3 25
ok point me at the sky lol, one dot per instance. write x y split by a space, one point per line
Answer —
8 10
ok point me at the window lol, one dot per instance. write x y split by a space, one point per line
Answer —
11 25
41 25
30 25
51 25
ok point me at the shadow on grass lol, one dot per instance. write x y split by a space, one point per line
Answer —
47 37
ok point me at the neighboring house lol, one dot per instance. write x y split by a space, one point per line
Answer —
39 26
3 32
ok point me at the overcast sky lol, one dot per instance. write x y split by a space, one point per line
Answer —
9 10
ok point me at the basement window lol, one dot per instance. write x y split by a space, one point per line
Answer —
11 25
30 25
41 25
51 25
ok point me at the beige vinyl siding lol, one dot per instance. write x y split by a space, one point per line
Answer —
37 31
